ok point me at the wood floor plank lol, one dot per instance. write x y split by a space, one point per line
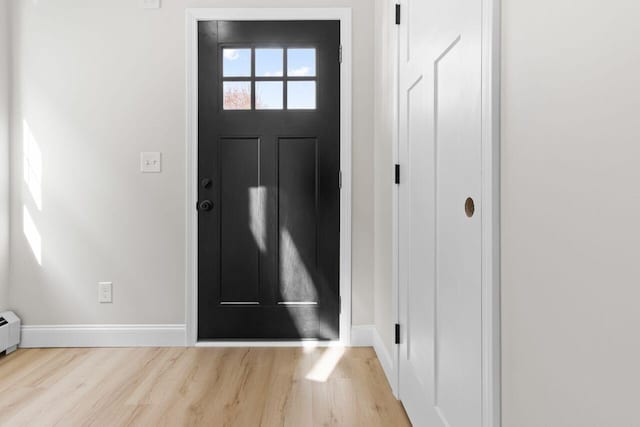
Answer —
196 387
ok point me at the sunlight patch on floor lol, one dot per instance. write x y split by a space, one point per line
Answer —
325 366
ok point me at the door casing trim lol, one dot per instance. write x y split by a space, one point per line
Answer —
193 16
490 210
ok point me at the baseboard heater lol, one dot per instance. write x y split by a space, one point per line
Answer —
9 332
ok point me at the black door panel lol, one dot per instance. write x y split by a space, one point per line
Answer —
269 246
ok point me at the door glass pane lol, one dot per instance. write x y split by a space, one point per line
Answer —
236 62
269 62
301 62
268 95
301 95
237 95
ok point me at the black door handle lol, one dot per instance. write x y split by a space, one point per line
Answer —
205 205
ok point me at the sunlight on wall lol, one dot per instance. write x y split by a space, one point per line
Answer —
32 234
325 366
32 165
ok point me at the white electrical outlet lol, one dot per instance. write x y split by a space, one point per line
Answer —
105 292
150 162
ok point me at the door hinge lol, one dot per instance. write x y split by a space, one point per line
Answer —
340 54
397 333
397 174
340 302
397 14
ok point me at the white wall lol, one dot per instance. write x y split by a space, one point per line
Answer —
95 83
570 203
383 166
4 155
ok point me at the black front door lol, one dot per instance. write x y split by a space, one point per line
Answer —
269 177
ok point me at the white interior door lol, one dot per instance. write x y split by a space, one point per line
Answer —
440 237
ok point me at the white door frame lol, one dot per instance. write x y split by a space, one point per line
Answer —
490 211
193 16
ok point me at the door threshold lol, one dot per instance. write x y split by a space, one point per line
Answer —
293 343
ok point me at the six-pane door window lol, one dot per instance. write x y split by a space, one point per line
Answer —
269 78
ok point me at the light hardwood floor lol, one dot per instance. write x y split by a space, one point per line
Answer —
196 386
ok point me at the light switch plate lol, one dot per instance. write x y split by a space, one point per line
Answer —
105 292
150 162
150 4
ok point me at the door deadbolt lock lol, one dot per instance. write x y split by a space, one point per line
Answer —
205 205
205 182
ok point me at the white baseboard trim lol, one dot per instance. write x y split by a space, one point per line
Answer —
362 335
35 336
